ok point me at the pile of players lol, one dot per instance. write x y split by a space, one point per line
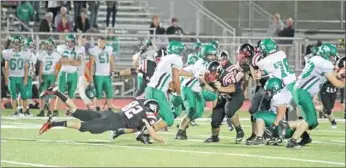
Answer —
166 87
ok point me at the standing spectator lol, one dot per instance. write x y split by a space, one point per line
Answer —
25 12
78 6
36 6
174 28
54 7
112 7
46 25
82 23
64 26
155 23
113 41
276 27
94 8
63 13
288 31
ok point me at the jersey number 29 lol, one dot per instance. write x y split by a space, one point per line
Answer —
132 109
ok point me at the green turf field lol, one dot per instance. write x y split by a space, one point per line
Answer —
21 146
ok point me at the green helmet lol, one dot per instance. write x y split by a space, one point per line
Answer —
206 51
28 42
192 59
272 86
50 44
215 44
148 42
175 47
267 46
327 50
70 37
197 46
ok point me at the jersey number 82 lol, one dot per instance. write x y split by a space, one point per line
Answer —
132 109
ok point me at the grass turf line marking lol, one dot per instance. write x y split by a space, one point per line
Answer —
182 151
27 164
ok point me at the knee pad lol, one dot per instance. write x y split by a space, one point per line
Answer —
327 111
215 124
230 113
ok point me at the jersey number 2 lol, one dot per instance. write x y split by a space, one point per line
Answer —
132 109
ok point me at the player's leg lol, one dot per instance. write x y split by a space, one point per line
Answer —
254 107
72 86
24 95
217 116
328 100
14 85
141 84
231 107
165 111
176 102
28 89
43 100
62 81
189 100
98 83
107 87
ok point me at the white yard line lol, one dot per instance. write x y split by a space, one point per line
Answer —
189 151
27 164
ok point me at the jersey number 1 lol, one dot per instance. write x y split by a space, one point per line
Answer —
132 109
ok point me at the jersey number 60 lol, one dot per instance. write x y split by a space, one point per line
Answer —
132 109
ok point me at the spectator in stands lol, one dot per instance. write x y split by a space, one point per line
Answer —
112 7
174 29
113 41
63 13
46 24
94 8
288 31
155 23
276 27
82 23
78 6
36 6
64 26
25 12
54 7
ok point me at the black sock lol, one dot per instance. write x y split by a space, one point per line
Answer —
238 128
20 110
109 109
333 122
59 124
305 135
98 108
121 131
61 96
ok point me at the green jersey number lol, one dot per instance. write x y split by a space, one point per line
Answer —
104 58
284 68
71 54
308 69
16 64
48 65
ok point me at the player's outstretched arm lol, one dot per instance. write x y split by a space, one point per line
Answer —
185 73
331 76
152 132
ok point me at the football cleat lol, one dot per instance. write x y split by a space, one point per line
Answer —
50 91
250 139
41 114
292 143
55 113
27 114
193 123
274 141
212 139
239 137
181 135
143 138
46 126
258 141
305 139
114 134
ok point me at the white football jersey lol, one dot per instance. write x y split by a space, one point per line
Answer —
75 53
276 65
102 60
313 74
163 73
32 64
49 61
149 55
196 69
16 61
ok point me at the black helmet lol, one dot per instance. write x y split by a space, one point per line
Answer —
214 66
247 50
152 105
341 63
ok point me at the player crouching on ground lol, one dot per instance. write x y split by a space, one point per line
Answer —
138 114
316 71
265 118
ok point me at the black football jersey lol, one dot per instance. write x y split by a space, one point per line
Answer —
328 88
133 113
230 76
147 67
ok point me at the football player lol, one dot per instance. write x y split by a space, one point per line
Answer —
16 73
166 71
71 60
137 114
265 118
47 73
275 64
102 65
191 89
228 85
316 71
252 56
